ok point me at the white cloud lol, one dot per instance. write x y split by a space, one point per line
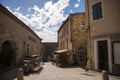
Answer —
71 11
44 21
17 9
79 0
8 8
48 5
76 5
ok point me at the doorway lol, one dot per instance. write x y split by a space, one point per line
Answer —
103 55
81 57
7 55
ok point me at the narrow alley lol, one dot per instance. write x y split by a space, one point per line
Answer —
51 72
59 40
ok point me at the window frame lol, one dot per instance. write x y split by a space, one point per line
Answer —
113 53
96 8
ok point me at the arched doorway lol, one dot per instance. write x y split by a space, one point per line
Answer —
7 54
81 57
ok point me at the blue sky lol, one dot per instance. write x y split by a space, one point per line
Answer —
44 17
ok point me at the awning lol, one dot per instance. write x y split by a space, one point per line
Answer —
61 51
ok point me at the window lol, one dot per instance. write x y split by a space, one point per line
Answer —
67 43
97 11
28 49
116 52
81 54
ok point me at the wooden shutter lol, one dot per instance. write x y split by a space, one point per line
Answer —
97 11
94 11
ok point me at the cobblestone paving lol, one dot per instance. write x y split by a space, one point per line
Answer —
51 72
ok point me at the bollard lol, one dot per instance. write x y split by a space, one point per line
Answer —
20 74
86 68
105 75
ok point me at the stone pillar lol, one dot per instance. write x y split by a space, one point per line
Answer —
105 75
20 74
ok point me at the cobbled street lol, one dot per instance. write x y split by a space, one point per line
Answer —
51 72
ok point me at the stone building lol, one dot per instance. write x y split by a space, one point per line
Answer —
72 36
50 47
16 40
103 18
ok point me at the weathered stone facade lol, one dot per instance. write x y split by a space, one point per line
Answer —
16 39
79 38
73 36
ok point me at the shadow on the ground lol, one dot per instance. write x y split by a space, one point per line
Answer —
72 66
69 67
35 72
87 74
8 74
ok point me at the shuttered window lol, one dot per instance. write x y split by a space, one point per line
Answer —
97 11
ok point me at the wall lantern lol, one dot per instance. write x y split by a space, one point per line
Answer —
82 24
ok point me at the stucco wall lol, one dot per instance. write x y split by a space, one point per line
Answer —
107 28
64 36
109 24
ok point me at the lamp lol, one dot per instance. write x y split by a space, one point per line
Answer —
82 24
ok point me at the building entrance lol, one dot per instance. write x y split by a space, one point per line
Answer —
7 55
103 55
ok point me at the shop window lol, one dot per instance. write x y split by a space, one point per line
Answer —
97 11
116 52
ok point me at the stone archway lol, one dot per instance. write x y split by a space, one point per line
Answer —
7 54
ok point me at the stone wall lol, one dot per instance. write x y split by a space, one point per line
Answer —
79 34
73 36
26 42
79 38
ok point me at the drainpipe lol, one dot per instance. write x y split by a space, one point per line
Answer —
89 63
89 39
